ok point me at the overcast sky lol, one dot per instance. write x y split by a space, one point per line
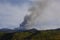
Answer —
12 12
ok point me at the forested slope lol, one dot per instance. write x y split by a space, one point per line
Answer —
32 35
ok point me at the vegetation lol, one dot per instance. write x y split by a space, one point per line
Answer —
39 35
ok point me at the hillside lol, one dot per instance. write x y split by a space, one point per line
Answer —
32 35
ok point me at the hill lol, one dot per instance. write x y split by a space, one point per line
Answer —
32 35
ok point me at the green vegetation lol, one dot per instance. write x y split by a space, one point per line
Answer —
1 34
39 35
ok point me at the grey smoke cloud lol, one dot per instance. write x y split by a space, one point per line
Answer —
45 14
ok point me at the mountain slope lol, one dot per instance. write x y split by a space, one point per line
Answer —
32 35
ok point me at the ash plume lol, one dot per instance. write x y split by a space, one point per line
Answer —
43 16
36 10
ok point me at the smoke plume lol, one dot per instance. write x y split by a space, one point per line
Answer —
43 15
36 10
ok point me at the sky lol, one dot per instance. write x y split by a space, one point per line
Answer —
12 12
